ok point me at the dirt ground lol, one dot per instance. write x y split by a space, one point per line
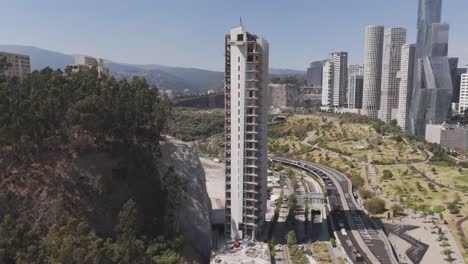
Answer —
215 182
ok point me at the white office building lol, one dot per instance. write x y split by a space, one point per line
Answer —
406 84
394 39
372 70
246 103
463 103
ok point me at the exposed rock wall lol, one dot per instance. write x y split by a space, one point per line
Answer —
194 212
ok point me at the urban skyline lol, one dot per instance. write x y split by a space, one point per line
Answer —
146 41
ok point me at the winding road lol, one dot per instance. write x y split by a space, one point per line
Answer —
362 234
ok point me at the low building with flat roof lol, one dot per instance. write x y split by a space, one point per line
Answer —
83 62
452 136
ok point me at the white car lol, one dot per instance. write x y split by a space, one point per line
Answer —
343 232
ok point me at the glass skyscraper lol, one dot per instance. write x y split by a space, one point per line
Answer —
432 89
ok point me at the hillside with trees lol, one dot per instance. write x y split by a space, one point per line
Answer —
82 178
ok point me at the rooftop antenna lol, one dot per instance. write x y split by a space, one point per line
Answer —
241 21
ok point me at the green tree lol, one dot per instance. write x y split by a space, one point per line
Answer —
375 205
129 248
387 175
291 238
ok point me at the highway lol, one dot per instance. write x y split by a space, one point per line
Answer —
361 235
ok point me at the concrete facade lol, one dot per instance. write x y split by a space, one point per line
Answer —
450 136
394 38
406 84
284 95
19 65
83 62
372 70
246 133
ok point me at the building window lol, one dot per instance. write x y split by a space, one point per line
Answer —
240 37
238 77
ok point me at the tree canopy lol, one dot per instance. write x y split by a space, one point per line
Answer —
53 106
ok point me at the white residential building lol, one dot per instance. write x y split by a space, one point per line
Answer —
83 62
340 77
246 132
394 39
335 80
463 103
372 70
327 84
406 84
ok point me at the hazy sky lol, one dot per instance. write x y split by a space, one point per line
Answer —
189 33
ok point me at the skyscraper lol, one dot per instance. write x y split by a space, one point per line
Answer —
327 84
406 84
355 86
372 70
246 102
394 38
340 77
432 88
335 79
314 74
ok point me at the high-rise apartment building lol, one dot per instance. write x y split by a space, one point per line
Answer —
394 38
355 86
340 77
432 88
335 80
372 70
406 84
246 102
327 84
19 65
463 102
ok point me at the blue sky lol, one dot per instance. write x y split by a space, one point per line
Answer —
189 33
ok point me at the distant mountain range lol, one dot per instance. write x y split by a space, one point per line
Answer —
165 77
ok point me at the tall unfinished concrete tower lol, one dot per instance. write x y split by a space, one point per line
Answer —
246 133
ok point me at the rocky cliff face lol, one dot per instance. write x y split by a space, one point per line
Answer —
194 213
93 185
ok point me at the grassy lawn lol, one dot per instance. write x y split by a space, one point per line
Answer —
449 175
339 135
